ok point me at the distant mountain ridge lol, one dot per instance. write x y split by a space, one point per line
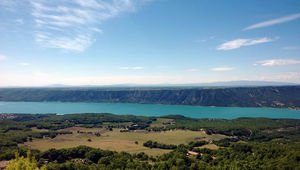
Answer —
240 83
247 83
266 96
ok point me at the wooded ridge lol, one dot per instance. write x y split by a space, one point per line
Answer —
269 96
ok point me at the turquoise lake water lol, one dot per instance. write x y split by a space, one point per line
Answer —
146 110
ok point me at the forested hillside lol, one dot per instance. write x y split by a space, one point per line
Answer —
278 97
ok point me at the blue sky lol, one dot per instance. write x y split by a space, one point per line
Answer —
100 42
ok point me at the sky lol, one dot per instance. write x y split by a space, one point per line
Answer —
104 42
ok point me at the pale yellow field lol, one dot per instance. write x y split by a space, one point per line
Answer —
39 130
210 146
117 141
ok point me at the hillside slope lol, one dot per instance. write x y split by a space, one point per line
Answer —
278 97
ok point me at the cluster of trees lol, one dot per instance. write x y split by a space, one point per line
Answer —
190 146
225 142
155 144
13 138
81 157
20 162
194 144
270 155
248 129
280 96
89 120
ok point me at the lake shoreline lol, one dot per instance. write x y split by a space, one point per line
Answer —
287 108
146 110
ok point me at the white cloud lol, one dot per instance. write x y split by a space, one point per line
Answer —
205 40
290 48
24 64
274 21
96 30
19 21
237 43
39 73
222 68
162 67
8 5
71 25
132 68
192 70
88 3
278 62
78 43
2 57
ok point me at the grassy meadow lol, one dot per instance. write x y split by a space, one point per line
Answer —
120 141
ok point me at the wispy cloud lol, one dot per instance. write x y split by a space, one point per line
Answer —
24 64
274 21
222 68
2 57
205 39
162 67
8 4
71 25
19 21
277 62
132 68
192 70
39 73
237 43
290 48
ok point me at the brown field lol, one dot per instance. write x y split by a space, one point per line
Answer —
117 141
34 129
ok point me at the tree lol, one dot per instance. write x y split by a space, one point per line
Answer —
21 163
94 155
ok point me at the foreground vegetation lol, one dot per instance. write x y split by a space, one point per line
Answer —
277 96
237 156
169 142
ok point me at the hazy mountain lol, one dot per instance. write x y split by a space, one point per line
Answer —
240 83
245 83
225 83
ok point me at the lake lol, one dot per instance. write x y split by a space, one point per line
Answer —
146 110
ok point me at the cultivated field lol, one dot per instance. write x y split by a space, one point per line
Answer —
120 141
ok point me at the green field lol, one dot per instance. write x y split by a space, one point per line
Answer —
161 122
